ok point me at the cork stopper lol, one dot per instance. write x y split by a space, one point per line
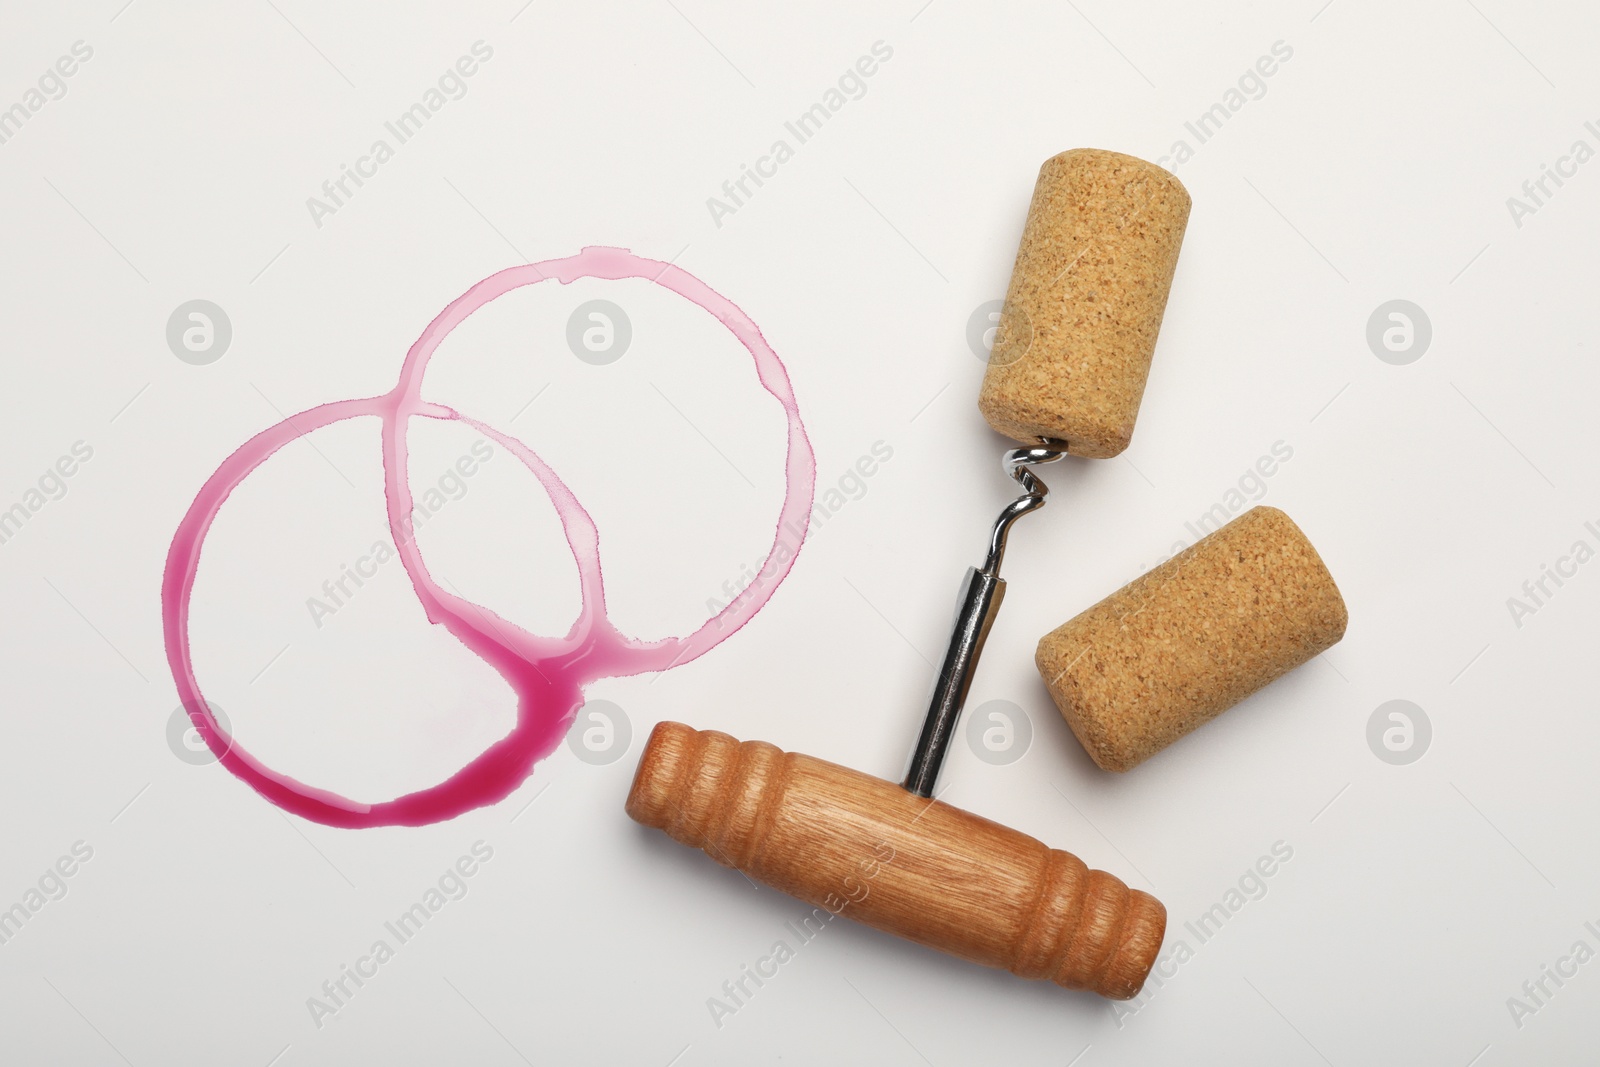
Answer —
1087 293
1182 643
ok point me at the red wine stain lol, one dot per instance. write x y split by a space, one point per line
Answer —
547 674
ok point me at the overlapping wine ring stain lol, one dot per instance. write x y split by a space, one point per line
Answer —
547 673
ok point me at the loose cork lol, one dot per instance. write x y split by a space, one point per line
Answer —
1087 294
1182 643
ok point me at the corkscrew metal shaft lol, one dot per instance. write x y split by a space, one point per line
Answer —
979 603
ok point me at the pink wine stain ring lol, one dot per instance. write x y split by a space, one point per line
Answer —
548 674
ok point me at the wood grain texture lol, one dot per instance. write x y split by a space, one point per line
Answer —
922 869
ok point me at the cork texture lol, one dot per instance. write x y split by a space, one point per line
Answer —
1087 294
1182 643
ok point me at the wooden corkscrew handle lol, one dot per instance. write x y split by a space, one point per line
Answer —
922 869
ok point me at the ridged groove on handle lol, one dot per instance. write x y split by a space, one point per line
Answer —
707 790
1089 930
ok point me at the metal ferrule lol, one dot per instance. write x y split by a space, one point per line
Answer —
976 608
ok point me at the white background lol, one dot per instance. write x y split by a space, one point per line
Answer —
1376 166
